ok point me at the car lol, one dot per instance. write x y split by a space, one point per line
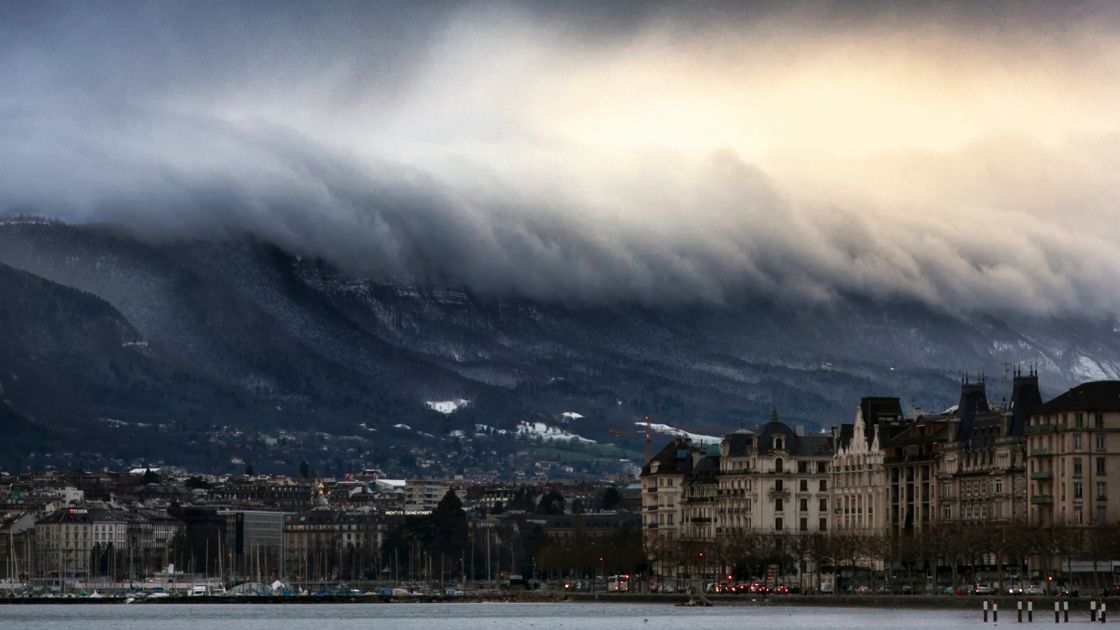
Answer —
982 589
1033 589
781 589
1014 590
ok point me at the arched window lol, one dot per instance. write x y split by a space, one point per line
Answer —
779 444
778 465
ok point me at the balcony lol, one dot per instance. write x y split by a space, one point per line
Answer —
1042 475
1042 499
1040 452
779 494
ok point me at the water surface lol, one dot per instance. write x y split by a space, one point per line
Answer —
488 616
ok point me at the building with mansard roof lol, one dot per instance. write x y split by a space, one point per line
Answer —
982 477
773 480
1073 447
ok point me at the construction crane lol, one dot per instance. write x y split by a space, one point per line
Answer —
648 433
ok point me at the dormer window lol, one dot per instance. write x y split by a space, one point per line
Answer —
779 444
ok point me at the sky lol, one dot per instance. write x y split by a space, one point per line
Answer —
957 154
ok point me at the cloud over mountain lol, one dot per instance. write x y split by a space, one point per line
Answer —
959 155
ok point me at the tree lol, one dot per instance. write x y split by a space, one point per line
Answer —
611 498
150 477
196 483
449 528
249 472
551 503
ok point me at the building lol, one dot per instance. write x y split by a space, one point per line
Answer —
1073 455
700 500
775 480
663 480
63 542
423 495
911 463
982 477
324 543
859 488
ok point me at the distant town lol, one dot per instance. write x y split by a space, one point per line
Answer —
984 497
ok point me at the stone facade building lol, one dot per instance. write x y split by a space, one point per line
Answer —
1073 447
859 489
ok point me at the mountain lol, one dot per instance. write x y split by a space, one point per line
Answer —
215 352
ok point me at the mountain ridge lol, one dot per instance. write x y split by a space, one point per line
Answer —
268 340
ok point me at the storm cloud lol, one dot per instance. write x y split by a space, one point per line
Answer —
958 155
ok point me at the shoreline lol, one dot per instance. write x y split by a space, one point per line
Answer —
1007 603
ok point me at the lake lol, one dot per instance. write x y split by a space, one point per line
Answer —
489 616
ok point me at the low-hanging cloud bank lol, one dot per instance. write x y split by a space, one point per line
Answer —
645 155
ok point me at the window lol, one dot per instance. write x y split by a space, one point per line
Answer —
824 524
1101 490
1077 490
1079 420
1100 441
778 505
999 486
1076 441
804 485
777 485
802 467
945 489
804 505
779 444
1098 420
778 465
804 524
778 523
1100 514
1076 466
997 509
823 506
946 513
822 467
1100 465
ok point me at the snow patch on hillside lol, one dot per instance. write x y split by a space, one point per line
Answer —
547 433
447 407
571 415
668 430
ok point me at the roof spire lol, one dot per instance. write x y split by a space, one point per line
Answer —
773 413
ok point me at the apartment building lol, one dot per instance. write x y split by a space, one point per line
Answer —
1073 457
774 480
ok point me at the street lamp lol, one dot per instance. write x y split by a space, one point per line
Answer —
603 572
